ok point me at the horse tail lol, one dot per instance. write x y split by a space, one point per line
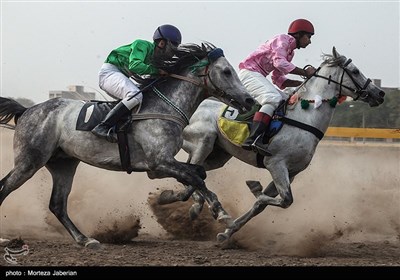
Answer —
9 109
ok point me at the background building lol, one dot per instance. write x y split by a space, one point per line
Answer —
73 92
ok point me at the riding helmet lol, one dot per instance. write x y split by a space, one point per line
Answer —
168 32
301 25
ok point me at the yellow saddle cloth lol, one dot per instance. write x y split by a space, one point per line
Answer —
235 127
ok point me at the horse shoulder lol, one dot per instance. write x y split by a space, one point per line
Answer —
202 129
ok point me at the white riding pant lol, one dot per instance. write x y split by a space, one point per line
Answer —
119 86
262 90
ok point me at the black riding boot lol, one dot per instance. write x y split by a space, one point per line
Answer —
104 129
254 141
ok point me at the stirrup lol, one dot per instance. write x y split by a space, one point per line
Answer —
111 135
260 148
247 147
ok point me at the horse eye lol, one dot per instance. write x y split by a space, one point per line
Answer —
356 72
227 71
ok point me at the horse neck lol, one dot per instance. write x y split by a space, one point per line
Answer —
190 96
184 95
322 87
318 117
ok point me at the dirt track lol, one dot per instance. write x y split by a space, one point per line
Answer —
147 251
346 213
122 247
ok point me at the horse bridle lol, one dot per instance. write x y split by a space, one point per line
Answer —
212 56
204 85
206 75
360 90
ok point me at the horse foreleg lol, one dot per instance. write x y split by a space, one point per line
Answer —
170 196
255 187
62 172
238 223
211 158
189 175
217 211
192 176
259 206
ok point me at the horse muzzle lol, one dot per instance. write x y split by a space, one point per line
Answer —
379 99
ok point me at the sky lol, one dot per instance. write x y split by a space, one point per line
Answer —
49 45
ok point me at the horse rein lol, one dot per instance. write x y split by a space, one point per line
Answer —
212 56
199 84
359 91
185 120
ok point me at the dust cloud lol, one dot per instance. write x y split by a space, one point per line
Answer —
101 201
348 193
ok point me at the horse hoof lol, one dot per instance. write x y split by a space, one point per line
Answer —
165 197
222 237
92 244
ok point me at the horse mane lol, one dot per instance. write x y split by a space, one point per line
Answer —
331 60
184 56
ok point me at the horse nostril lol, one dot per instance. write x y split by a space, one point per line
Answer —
382 93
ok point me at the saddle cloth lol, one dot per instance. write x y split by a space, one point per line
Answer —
92 113
235 127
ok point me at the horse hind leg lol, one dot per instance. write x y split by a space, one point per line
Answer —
62 172
28 159
21 173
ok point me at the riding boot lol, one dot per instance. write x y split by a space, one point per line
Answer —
258 127
105 128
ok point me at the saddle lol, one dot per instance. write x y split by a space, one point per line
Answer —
236 127
93 112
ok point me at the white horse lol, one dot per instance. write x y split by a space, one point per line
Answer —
292 148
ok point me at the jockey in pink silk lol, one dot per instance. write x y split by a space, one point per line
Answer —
274 56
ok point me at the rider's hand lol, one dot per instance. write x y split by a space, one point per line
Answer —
310 70
163 73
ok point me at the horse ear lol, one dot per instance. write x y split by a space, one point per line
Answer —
335 53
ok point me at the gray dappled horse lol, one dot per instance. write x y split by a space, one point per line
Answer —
292 148
45 134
